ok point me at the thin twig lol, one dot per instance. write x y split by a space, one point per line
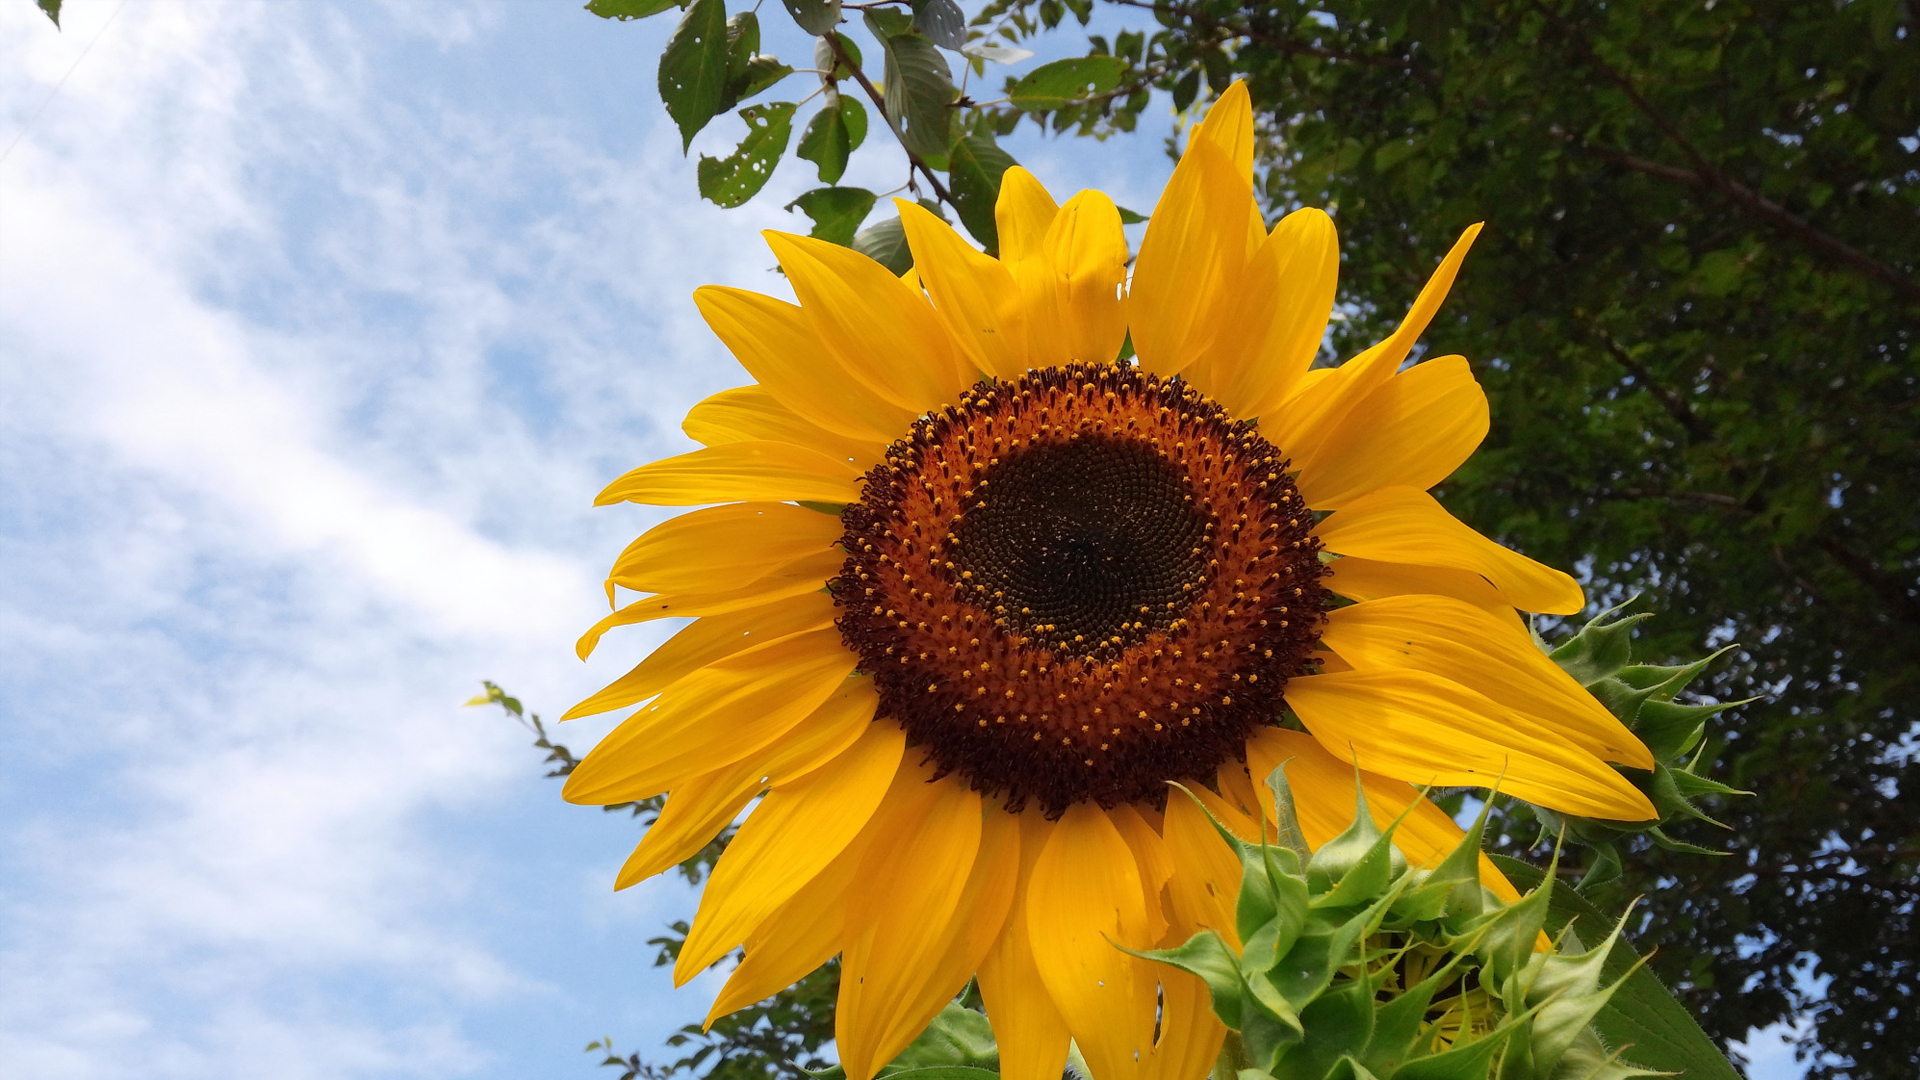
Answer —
880 102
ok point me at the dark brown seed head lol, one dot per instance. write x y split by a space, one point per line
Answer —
1081 584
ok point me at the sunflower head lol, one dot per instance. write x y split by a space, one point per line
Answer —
1356 964
1054 578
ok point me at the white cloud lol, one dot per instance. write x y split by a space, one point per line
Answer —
310 385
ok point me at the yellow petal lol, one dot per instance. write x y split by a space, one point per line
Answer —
1457 641
708 639
1083 898
1206 873
738 472
695 813
910 948
791 582
1256 368
1022 215
1406 525
974 295
1193 252
1368 579
1302 423
1151 856
772 340
715 716
1030 1032
697 810
1412 432
1088 255
791 836
736 544
1428 730
1323 801
880 329
800 935
754 414
1229 126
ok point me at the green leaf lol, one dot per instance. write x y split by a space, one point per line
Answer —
974 169
606 9
918 90
1129 217
825 60
957 1038
886 22
748 71
836 211
942 21
943 1072
734 179
1602 647
52 8
828 141
885 242
1063 82
693 68
1642 1011
762 72
814 16
855 114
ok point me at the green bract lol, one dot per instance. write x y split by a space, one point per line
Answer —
1358 966
1600 658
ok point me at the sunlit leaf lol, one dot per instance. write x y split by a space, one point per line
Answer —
999 54
606 9
1063 82
693 69
734 179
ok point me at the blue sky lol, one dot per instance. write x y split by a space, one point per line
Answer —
320 326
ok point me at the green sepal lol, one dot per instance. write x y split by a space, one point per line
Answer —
1642 1013
1206 954
1337 1025
1601 648
1358 863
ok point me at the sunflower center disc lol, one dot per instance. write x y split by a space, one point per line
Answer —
1094 541
1081 584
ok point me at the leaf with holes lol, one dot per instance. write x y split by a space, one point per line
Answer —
836 211
815 16
626 9
693 68
734 179
1063 82
974 172
942 21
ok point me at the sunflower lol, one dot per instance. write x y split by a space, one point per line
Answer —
970 590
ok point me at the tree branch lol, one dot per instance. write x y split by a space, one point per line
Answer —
1670 399
880 102
1706 177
